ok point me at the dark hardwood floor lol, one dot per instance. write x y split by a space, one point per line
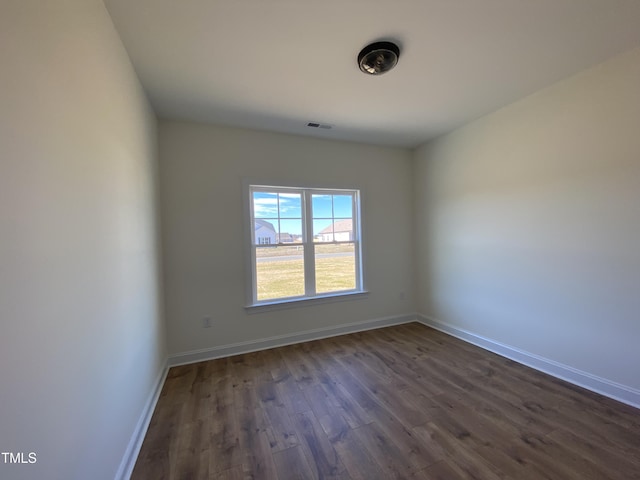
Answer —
399 402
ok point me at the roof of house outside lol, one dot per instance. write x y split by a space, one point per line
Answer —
263 223
344 225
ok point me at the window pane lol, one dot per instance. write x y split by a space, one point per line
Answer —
323 230
290 205
343 206
290 231
335 267
265 205
279 272
321 205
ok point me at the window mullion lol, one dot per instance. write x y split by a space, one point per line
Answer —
309 250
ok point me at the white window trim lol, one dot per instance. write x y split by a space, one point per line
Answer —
311 297
295 302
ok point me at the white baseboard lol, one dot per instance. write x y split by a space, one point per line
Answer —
282 340
135 443
600 385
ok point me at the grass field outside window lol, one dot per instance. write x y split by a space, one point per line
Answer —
280 270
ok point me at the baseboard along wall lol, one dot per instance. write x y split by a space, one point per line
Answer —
608 388
135 443
282 340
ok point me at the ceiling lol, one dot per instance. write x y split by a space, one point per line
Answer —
278 64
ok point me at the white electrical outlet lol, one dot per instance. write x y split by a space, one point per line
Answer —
206 322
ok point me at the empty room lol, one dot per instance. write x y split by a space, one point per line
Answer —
319 240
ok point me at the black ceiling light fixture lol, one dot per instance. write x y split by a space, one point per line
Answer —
378 57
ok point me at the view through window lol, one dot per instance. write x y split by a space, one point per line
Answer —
305 242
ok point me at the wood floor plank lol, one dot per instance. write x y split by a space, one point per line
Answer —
398 402
281 426
512 409
406 410
343 402
322 457
486 437
462 457
618 419
333 424
613 463
360 464
386 419
563 391
566 459
286 385
224 442
318 400
489 438
386 453
254 438
400 371
444 471
299 366
555 411
234 473
291 464
192 464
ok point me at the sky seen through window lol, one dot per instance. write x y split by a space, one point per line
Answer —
287 208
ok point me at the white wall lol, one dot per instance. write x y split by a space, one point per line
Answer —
201 173
81 340
528 223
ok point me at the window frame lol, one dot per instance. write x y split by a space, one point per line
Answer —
310 295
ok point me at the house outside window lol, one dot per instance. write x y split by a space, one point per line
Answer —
305 243
264 232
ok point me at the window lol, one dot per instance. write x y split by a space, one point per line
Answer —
305 243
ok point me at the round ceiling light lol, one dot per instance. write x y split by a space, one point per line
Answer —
378 58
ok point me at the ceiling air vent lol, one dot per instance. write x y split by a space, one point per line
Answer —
326 126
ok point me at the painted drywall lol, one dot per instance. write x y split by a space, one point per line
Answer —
528 223
202 168
81 340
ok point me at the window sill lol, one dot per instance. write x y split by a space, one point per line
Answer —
306 301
